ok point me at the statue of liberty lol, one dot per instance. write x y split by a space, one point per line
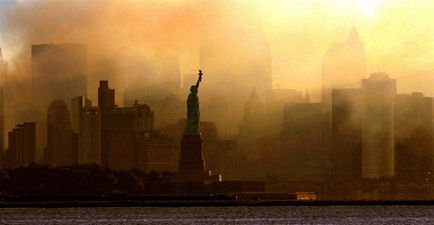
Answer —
193 111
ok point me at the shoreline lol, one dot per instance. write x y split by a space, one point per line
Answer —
207 203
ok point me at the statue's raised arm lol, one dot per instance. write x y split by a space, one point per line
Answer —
199 79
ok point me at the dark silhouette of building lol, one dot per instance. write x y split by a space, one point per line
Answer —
86 122
106 102
378 135
343 66
346 148
59 71
275 101
60 144
304 144
167 110
253 120
413 133
22 148
127 127
159 154
128 140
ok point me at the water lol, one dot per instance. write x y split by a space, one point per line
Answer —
222 215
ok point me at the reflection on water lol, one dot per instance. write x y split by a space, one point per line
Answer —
222 215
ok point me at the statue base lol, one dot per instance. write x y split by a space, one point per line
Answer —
191 154
192 165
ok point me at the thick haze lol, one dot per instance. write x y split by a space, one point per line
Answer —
398 35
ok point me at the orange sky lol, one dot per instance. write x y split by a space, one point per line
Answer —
398 34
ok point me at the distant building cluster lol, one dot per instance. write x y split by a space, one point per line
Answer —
361 129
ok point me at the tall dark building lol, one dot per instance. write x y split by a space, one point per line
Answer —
275 102
86 123
378 129
59 71
304 144
343 66
22 149
59 135
346 148
106 102
413 137
127 127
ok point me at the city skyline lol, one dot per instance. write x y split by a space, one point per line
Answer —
103 94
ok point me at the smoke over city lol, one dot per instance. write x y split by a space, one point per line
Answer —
346 86
298 36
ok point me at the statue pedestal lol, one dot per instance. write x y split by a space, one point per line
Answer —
191 154
191 165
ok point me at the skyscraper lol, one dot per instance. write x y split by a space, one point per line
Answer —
253 120
304 143
413 133
343 66
126 129
346 147
59 71
21 150
106 102
59 135
378 131
86 123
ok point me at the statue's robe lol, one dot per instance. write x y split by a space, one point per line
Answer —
193 114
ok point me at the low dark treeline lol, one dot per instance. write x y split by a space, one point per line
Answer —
81 179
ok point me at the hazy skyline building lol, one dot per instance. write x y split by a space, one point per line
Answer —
127 127
60 150
275 102
413 133
86 122
22 148
252 126
106 102
378 130
304 143
58 71
159 154
343 66
346 148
